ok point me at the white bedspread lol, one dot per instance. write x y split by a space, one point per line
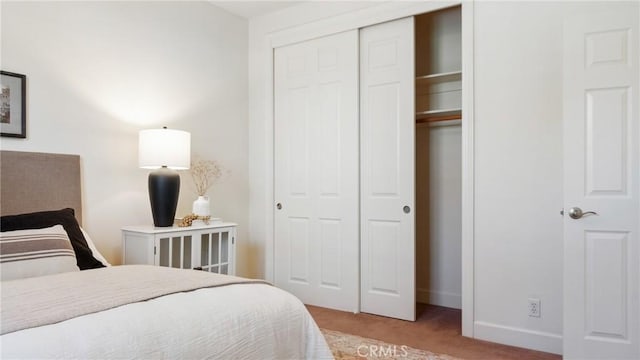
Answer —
242 321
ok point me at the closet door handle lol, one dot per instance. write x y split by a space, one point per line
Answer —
279 206
406 209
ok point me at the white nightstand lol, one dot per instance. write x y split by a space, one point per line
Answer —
205 247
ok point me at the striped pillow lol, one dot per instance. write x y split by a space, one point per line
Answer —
35 252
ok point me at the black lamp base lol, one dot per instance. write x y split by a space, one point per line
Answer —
164 189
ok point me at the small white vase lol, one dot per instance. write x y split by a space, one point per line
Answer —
201 206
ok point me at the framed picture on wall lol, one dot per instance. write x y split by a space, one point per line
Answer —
13 105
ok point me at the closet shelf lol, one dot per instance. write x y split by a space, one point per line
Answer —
440 77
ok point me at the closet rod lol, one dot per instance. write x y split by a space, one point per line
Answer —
438 118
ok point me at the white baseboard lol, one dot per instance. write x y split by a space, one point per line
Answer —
440 298
524 338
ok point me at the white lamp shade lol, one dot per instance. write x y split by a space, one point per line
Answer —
164 147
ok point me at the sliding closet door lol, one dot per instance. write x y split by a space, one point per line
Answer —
387 167
316 170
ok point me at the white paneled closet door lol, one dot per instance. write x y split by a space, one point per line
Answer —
388 169
316 170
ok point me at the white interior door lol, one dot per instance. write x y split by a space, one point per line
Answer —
316 170
387 131
602 167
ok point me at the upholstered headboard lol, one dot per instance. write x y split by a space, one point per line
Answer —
37 181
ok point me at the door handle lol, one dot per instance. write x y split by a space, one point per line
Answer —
577 213
406 209
279 206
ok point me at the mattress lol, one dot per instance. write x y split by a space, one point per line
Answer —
248 321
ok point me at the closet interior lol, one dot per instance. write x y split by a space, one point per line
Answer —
438 91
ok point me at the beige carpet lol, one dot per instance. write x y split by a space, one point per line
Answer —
347 347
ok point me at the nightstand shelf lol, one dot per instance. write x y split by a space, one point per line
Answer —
206 247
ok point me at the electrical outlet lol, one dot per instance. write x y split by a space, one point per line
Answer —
534 307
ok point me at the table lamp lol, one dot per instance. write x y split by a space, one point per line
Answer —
165 151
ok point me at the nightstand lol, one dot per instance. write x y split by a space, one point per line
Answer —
203 247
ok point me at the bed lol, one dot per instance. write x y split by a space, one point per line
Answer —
52 309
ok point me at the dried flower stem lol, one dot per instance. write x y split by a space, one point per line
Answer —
205 173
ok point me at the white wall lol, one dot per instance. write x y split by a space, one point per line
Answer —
518 124
518 157
98 72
